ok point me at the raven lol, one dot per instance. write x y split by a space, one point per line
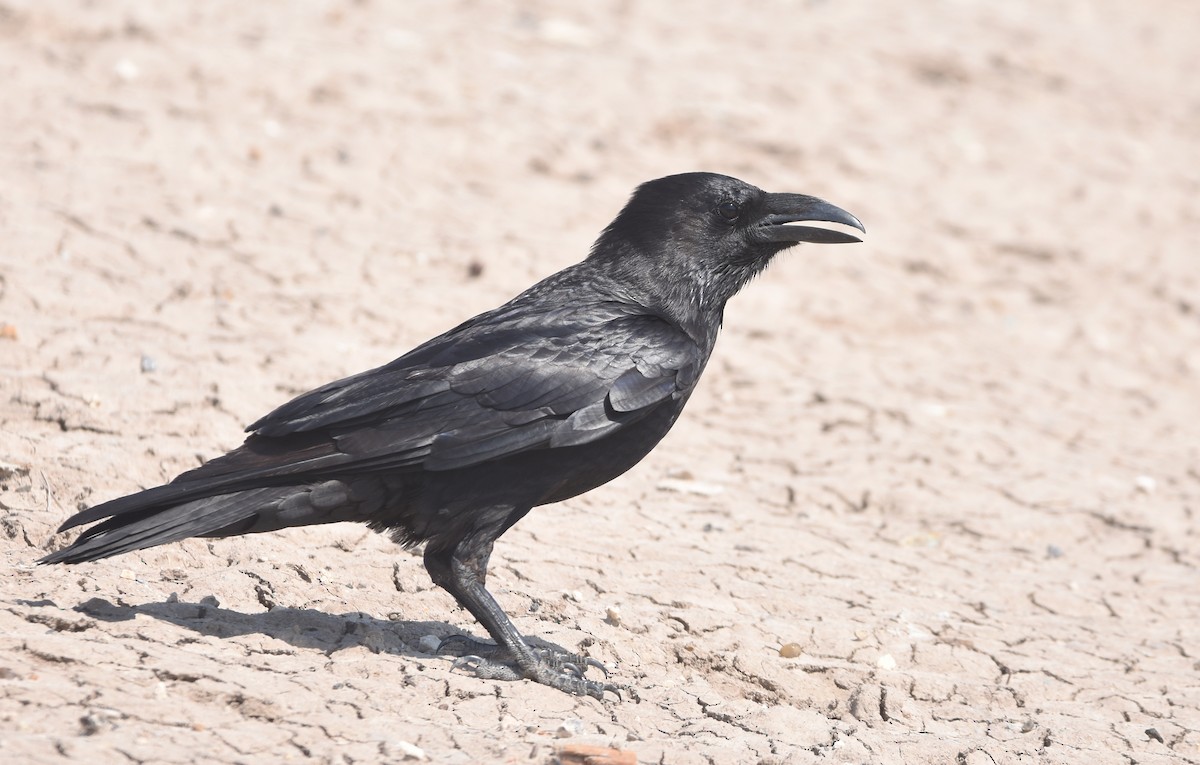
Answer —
558 391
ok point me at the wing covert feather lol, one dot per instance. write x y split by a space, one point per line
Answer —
485 391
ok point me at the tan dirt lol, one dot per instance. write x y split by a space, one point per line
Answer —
954 469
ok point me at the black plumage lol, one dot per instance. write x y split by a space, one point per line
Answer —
550 395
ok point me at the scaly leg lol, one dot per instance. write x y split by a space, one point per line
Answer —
462 571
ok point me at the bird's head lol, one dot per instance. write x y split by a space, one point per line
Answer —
695 239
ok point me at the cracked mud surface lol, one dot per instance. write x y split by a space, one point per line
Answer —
953 472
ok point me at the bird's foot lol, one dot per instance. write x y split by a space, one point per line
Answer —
557 669
567 677
463 646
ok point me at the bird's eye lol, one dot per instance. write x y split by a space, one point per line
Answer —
729 210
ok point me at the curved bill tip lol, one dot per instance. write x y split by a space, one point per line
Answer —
791 218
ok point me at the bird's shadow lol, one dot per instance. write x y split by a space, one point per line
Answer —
299 627
303 628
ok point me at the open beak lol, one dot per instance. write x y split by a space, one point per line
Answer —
786 212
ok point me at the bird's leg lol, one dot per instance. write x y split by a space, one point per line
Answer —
461 571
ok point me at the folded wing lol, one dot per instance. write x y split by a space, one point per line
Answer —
483 391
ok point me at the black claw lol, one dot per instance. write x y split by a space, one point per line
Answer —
574 669
463 661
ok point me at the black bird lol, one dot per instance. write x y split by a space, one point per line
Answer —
558 391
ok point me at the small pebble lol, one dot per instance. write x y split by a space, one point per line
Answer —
612 615
405 749
149 364
569 727
886 662
429 644
127 70
790 650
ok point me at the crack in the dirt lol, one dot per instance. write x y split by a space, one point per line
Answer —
263 590
1114 522
129 756
56 622
304 750
53 658
1043 671
166 675
814 570
1033 600
961 757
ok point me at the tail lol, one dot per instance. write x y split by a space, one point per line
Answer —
147 519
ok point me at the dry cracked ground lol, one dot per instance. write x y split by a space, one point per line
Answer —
936 500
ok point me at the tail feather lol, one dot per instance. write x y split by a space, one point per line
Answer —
138 504
259 462
145 519
136 530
